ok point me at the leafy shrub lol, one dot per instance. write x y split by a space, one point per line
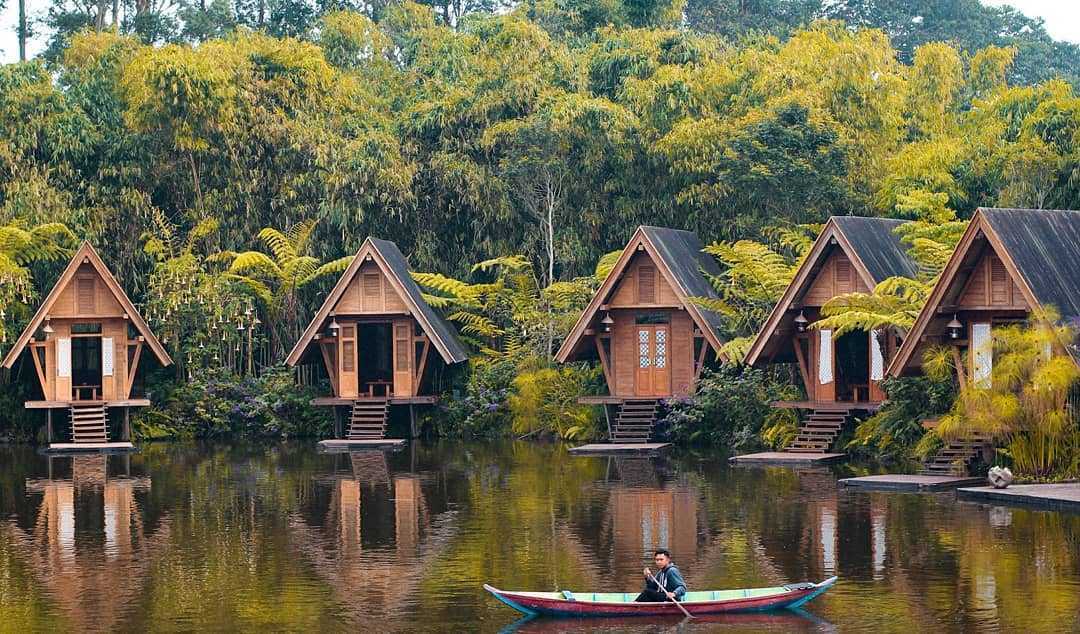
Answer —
729 407
544 400
217 403
480 408
896 428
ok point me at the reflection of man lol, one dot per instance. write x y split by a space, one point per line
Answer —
672 586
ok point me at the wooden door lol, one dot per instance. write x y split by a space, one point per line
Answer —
403 357
653 375
346 363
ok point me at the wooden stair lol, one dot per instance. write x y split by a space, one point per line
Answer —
89 424
818 432
954 458
634 422
368 420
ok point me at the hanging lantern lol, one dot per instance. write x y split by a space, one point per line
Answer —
607 322
801 322
48 329
955 328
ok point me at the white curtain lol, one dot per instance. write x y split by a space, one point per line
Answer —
982 351
63 357
825 357
877 359
107 356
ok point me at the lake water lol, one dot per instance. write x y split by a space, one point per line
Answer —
282 537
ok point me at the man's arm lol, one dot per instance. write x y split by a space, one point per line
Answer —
674 579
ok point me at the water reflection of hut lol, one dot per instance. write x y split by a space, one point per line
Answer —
93 580
335 544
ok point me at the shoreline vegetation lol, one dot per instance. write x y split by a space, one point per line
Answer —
224 167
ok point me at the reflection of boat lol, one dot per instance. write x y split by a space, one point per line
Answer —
792 620
702 602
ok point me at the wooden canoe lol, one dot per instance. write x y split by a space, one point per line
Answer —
702 602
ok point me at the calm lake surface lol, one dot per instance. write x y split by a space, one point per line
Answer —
281 537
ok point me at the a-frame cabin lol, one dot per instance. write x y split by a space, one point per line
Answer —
86 342
374 334
840 374
651 340
1008 264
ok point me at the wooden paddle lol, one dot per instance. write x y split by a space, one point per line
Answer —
672 599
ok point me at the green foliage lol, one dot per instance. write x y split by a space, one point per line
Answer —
730 407
1026 407
219 403
896 429
544 401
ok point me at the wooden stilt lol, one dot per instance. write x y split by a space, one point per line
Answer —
413 431
337 423
48 427
127 424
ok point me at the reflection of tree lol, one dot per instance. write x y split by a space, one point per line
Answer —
93 582
375 582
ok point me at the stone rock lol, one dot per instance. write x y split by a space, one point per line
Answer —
1000 477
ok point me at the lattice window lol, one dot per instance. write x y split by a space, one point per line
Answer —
644 358
661 348
85 291
646 285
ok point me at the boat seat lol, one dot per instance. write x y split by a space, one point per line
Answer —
569 596
800 586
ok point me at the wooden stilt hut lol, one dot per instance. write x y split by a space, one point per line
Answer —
1008 264
374 335
86 342
843 374
651 340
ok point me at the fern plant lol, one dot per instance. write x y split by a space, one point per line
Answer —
21 247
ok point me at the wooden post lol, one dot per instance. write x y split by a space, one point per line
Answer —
48 425
127 424
413 432
337 421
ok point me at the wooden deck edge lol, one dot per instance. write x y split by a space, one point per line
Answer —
782 458
327 401
908 486
995 496
134 402
619 448
104 447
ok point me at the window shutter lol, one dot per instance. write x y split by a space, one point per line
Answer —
401 350
982 347
107 350
372 291
825 357
63 357
646 285
85 291
999 282
843 275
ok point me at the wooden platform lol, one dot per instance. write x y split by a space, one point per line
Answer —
1063 497
89 447
782 458
909 483
601 448
344 443
608 400
832 406
134 402
410 400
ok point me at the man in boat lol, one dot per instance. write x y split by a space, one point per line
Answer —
671 588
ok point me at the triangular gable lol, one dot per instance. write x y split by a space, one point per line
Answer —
949 285
834 231
661 257
392 265
87 253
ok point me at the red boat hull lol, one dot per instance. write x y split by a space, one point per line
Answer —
530 603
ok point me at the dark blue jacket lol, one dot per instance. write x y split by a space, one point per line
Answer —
671 580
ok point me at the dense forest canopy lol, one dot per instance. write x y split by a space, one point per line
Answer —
172 134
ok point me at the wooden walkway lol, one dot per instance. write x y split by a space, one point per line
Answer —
782 458
1062 497
89 447
361 444
596 449
910 483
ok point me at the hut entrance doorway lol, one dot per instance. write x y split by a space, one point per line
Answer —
375 345
86 364
853 367
653 375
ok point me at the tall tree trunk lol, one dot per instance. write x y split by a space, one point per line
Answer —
22 30
116 16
